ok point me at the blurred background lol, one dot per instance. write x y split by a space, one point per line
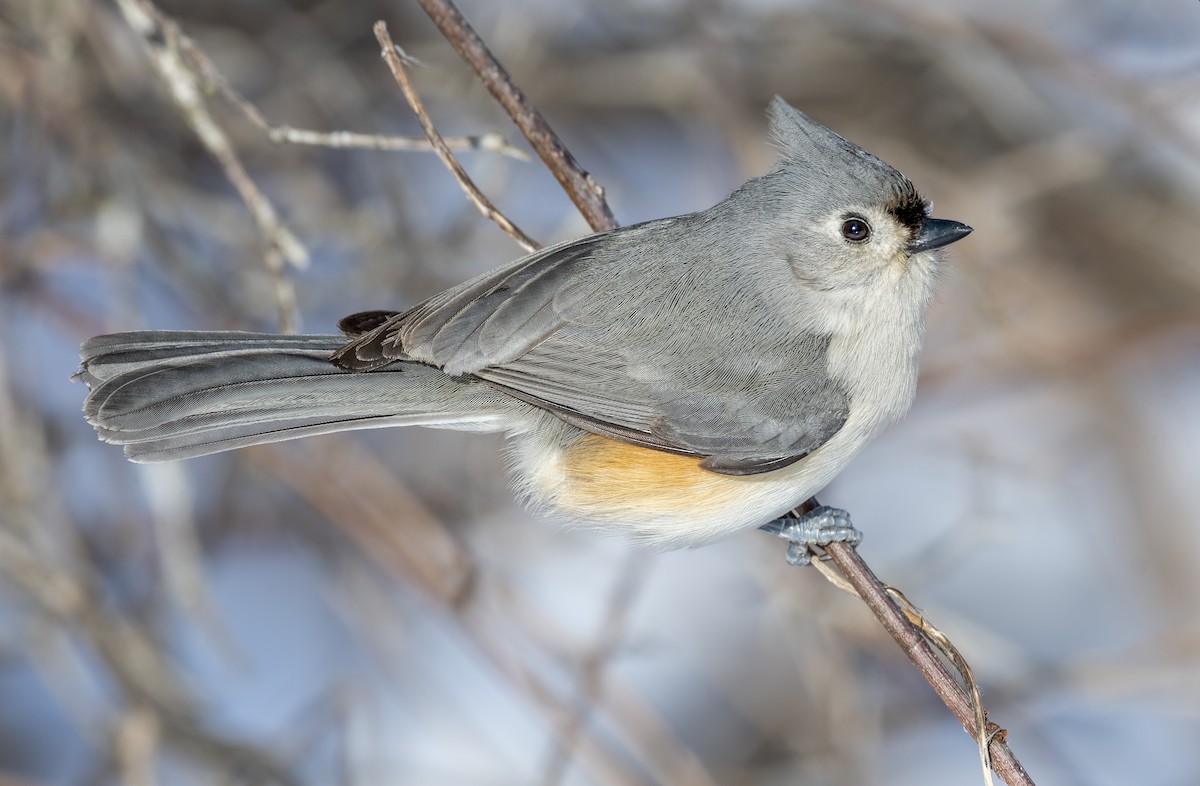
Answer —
375 609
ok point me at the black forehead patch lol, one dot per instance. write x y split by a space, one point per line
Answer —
909 207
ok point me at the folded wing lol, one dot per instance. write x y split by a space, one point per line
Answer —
689 356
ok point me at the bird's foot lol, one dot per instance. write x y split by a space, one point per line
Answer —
819 527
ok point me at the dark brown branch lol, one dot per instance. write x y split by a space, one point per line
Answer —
888 612
587 195
392 55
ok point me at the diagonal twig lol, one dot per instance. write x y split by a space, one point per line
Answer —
585 192
393 56
882 604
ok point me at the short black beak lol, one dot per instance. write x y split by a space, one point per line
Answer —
937 232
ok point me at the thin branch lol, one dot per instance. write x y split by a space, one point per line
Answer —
877 597
587 195
215 82
392 54
490 143
945 646
165 44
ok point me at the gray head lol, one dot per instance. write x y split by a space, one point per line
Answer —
854 213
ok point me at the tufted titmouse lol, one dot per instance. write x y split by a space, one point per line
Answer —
678 380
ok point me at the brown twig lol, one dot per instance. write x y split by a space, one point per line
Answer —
888 612
932 634
587 195
393 56
165 44
215 82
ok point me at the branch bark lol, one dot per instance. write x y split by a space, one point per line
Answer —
587 195
393 56
873 593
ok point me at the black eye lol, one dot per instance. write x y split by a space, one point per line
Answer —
856 230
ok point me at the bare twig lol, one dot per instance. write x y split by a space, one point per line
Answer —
587 195
983 734
944 645
872 591
215 82
392 54
165 44
490 143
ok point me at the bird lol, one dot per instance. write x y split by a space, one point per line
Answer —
674 381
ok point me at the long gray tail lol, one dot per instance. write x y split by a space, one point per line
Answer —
170 395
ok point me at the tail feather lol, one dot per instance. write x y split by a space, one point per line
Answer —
108 355
172 395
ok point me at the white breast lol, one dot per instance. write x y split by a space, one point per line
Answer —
874 352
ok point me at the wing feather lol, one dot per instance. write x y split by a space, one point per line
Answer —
612 337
